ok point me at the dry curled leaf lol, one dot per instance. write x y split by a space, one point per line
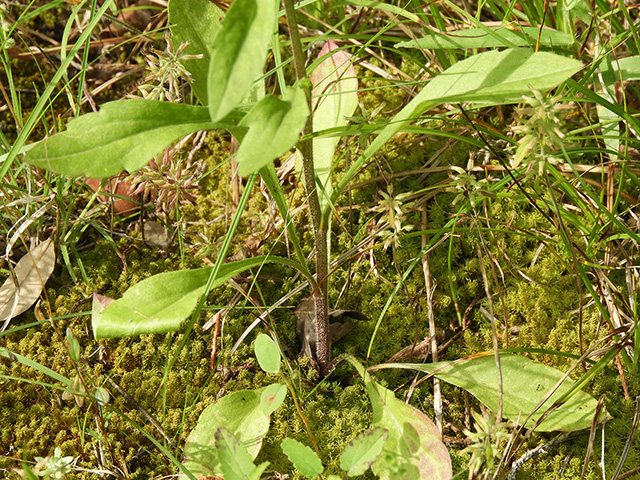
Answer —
33 270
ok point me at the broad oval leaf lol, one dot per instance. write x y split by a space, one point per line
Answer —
413 449
302 457
524 384
239 53
363 451
272 397
160 303
32 272
335 97
267 354
122 136
195 22
491 37
274 126
240 414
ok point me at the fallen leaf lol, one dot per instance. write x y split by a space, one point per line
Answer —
31 273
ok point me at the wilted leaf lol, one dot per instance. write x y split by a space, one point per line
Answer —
31 273
335 97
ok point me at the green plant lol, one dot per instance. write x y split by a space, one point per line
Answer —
161 303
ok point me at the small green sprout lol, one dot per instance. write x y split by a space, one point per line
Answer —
55 466
485 446
394 210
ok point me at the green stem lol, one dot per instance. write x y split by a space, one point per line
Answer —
323 340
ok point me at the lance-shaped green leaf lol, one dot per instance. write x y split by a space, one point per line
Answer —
195 22
123 135
303 458
524 384
274 126
491 37
363 451
240 413
235 461
160 303
487 78
414 448
239 53
335 97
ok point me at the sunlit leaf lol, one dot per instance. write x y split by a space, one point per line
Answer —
196 22
363 451
524 384
491 37
122 136
267 354
240 413
160 303
414 448
303 458
272 397
274 126
31 273
239 53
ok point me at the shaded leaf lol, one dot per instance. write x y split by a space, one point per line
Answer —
196 22
402 458
31 273
160 303
363 451
239 53
272 397
267 354
122 136
491 37
274 126
335 97
240 413
524 384
302 457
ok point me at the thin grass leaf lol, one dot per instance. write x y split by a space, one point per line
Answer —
491 38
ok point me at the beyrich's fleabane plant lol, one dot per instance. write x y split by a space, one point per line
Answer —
542 120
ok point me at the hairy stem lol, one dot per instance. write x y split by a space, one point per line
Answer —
323 340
